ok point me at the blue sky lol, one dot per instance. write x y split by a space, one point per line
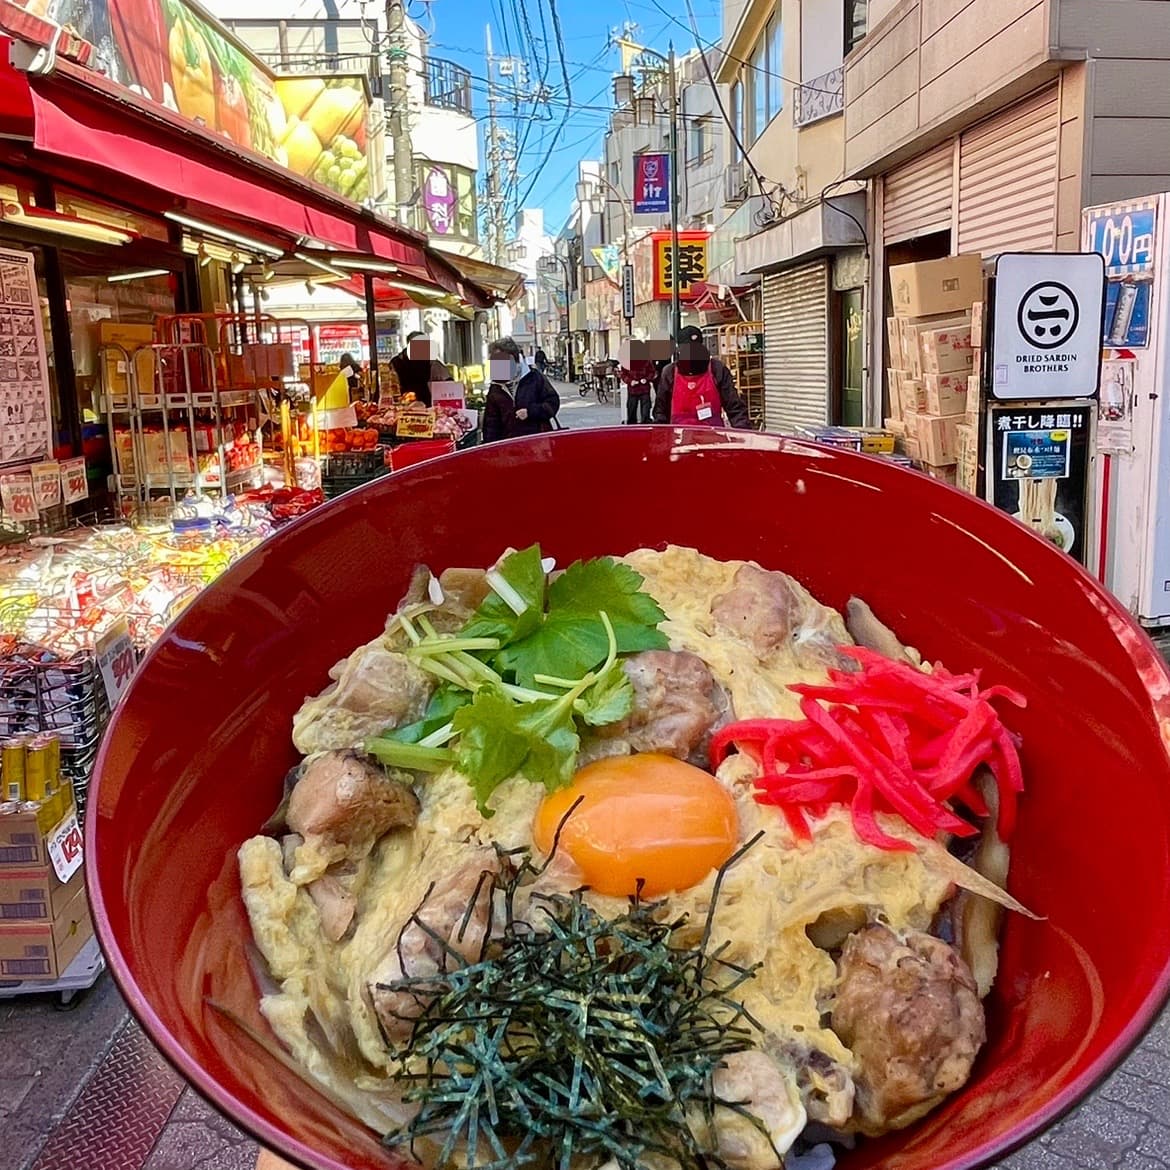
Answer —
550 153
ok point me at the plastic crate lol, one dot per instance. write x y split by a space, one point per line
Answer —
337 485
352 463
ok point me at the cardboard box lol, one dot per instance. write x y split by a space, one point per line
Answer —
129 338
913 396
896 427
974 412
946 351
894 388
911 352
22 842
938 440
978 338
945 393
36 895
936 286
946 474
43 951
894 333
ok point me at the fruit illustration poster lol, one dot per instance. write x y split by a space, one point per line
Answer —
175 54
25 418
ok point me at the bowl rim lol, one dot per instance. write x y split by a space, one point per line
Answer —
276 1141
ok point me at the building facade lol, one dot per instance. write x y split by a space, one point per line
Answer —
798 224
986 126
344 37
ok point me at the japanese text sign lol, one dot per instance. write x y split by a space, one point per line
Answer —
651 184
692 265
66 848
116 660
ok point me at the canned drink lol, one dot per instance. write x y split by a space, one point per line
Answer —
1123 314
38 763
12 769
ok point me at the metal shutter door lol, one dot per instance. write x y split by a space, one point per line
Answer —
796 348
1008 171
917 197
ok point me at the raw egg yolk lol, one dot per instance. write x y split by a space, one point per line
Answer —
647 817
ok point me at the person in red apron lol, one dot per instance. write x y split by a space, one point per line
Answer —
697 389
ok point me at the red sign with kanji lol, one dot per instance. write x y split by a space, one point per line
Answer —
692 265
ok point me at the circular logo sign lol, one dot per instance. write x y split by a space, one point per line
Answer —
1048 315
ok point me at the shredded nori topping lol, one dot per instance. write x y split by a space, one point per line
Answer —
573 1037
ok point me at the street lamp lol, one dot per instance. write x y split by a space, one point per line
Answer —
547 265
597 204
645 114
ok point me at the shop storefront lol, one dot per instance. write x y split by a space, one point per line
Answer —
812 292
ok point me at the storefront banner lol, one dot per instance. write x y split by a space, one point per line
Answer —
170 52
692 265
1040 469
651 184
609 260
346 337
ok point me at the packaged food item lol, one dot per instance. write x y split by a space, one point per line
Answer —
944 393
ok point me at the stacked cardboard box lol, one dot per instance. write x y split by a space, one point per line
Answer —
44 922
932 358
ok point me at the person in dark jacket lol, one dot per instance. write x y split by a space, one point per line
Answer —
640 377
416 367
697 389
540 359
520 400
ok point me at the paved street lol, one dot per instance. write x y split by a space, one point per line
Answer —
579 414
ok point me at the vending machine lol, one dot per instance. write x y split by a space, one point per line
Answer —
1131 546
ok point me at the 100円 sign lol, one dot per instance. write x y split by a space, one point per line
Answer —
1047 334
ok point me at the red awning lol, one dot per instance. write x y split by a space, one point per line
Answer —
16 108
83 120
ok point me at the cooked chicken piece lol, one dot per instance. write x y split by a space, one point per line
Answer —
465 588
754 1081
348 800
677 703
826 1087
770 610
289 844
335 904
909 1010
375 689
869 631
457 911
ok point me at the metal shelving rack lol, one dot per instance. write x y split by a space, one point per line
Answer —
741 348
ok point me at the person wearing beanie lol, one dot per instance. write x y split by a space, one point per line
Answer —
697 389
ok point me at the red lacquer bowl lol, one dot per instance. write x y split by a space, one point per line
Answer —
194 761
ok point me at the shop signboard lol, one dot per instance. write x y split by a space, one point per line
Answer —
438 200
1039 461
46 479
175 55
628 291
1125 235
652 184
609 260
335 340
692 265
18 499
1046 339
415 424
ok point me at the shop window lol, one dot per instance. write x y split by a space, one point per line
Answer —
856 23
766 78
775 36
759 75
702 143
101 310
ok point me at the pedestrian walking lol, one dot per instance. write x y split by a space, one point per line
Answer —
697 389
520 399
640 378
540 360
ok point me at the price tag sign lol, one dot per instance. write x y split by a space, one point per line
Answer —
74 484
46 479
65 848
17 496
116 660
416 424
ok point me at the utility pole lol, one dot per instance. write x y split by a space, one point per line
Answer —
501 158
399 57
675 303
